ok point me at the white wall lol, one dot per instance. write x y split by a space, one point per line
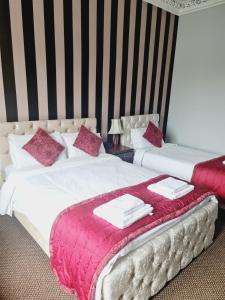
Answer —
197 106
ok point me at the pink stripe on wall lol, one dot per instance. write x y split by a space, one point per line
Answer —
168 59
39 34
19 59
159 64
130 56
2 96
92 55
141 56
77 57
119 52
150 58
60 58
106 58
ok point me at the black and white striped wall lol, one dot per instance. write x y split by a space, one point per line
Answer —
80 58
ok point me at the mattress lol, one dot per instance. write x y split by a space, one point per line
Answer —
172 159
41 194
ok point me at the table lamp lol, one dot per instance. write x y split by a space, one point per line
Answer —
115 130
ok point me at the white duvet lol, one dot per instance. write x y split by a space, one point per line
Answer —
47 191
42 193
172 159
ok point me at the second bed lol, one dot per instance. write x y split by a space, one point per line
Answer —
175 160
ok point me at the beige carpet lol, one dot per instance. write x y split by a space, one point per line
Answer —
25 272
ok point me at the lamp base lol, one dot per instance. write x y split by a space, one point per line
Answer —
116 139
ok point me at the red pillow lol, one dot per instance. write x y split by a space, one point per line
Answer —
87 141
154 135
43 148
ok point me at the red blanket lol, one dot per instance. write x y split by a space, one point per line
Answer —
211 175
82 244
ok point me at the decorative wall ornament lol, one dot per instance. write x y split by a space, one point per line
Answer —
181 7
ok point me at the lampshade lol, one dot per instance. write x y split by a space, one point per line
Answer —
115 127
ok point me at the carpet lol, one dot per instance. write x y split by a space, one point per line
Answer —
25 273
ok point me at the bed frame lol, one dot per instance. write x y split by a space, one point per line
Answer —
143 272
138 121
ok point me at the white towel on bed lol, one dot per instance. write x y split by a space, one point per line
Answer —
123 211
123 205
171 196
171 188
171 185
122 223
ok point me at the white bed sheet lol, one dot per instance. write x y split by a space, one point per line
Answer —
41 194
172 159
47 191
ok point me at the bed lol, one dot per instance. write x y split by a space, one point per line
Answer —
144 266
172 159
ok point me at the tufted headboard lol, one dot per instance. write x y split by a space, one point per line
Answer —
138 121
26 127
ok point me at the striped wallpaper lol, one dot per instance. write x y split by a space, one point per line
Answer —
80 58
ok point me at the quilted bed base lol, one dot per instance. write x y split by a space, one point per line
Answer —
144 272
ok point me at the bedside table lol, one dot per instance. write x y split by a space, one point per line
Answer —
125 153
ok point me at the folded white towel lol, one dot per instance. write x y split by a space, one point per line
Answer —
123 221
171 185
172 196
123 205
118 217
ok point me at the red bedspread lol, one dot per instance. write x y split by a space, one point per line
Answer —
211 175
82 244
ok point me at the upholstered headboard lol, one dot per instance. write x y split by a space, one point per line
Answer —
136 122
26 127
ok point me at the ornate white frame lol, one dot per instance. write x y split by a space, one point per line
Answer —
182 7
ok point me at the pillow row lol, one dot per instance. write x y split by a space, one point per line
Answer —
44 149
41 148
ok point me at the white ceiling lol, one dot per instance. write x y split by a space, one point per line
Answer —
181 7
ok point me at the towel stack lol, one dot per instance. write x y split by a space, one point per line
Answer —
123 211
171 188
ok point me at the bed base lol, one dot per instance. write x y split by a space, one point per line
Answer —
144 272
33 231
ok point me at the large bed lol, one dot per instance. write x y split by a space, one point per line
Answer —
143 266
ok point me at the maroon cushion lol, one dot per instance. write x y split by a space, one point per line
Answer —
88 142
154 135
43 148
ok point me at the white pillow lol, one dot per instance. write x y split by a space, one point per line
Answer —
69 139
8 170
138 141
20 157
